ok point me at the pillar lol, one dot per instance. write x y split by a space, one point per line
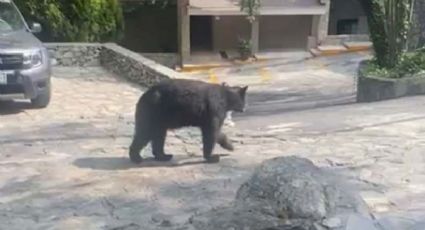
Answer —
255 35
183 28
312 41
320 26
323 23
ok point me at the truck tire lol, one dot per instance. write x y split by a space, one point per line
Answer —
42 100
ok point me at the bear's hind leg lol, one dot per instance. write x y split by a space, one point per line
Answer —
140 140
158 142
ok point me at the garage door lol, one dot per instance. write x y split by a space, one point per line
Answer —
284 32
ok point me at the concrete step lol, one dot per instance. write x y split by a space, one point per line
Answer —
358 46
332 50
328 50
315 52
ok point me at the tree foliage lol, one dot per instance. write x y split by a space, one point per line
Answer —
389 22
75 20
250 7
418 33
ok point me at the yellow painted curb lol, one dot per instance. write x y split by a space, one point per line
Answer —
202 67
191 68
212 77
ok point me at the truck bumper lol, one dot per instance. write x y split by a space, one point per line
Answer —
27 84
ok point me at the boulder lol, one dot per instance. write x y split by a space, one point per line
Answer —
290 193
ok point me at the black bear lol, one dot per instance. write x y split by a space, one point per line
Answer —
173 104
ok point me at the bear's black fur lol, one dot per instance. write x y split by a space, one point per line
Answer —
179 103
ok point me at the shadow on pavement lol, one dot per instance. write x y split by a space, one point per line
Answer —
262 104
124 163
13 107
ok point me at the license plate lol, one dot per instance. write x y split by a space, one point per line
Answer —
3 78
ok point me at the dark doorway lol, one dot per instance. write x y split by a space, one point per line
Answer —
201 33
347 26
347 17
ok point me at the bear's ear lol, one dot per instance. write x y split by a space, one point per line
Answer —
243 90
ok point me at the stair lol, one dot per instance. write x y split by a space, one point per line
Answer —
358 46
329 50
315 52
338 44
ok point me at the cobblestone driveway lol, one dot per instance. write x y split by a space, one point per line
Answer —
66 167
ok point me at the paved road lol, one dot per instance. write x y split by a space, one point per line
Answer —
281 86
66 167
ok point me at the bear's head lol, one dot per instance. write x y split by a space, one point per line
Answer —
235 97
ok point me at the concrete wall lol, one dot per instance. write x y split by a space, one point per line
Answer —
336 40
167 59
347 9
226 31
284 32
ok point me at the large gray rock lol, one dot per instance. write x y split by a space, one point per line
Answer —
290 193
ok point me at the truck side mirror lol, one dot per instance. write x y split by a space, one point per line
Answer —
35 28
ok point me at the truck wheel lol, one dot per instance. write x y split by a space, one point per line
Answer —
42 100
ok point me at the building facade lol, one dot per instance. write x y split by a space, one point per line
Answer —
190 27
216 25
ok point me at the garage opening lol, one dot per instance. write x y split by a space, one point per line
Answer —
201 33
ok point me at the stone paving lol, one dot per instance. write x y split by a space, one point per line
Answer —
66 167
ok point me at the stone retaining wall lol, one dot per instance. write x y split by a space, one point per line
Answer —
133 66
75 54
374 88
114 58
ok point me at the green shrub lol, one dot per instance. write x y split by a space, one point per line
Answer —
251 8
75 20
409 65
244 48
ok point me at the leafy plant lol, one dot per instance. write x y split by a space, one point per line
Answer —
410 64
244 48
250 7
